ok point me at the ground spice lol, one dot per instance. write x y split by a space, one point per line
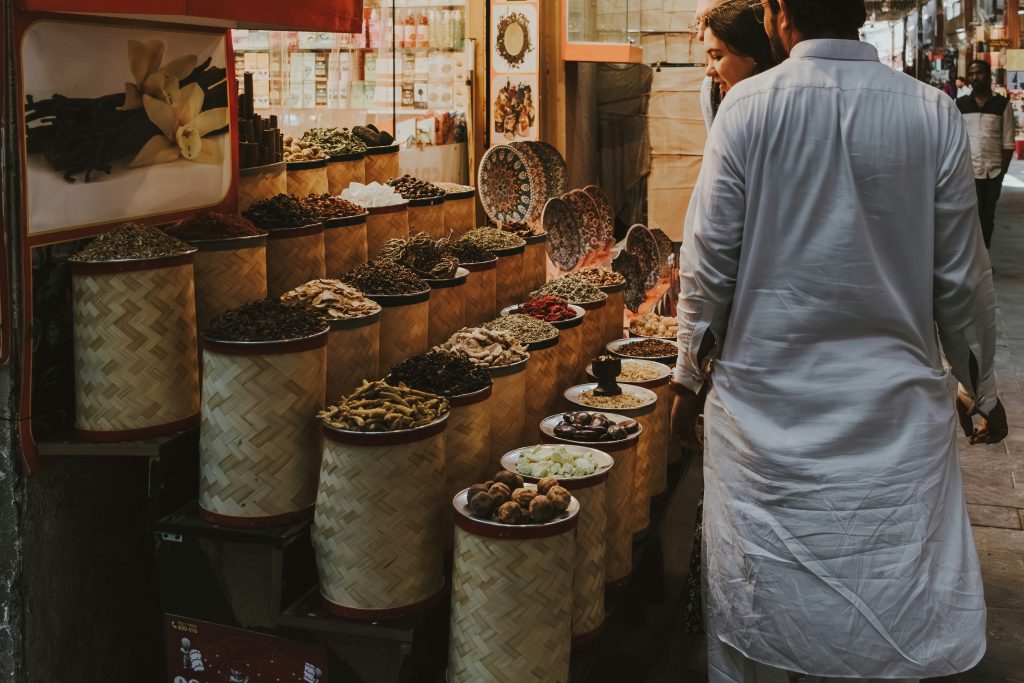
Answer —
427 257
265 320
334 141
282 211
525 329
414 188
547 308
130 241
333 299
648 348
486 348
441 373
211 225
600 277
382 276
571 289
492 239
634 372
328 206
381 407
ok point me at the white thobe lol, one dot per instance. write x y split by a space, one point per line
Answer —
833 230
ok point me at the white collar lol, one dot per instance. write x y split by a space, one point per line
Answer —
851 50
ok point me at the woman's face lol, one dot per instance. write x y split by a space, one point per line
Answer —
724 65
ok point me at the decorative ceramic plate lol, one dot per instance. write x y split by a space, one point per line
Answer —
628 266
605 210
503 185
538 180
554 167
564 229
665 251
592 220
641 244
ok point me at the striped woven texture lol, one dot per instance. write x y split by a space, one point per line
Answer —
307 181
544 391
511 616
480 296
468 459
659 456
377 525
507 397
259 449
447 313
381 167
352 356
459 215
614 316
618 549
341 174
428 219
385 226
294 261
588 571
344 249
641 516
135 349
256 188
593 341
534 267
508 288
403 333
227 279
570 355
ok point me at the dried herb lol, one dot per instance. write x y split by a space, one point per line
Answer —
600 277
414 188
468 252
282 211
333 299
381 407
384 277
265 320
486 348
427 257
328 206
211 225
525 329
648 348
441 373
130 241
547 308
492 239
571 289
334 141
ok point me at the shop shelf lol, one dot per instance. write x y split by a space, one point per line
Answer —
186 522
68 446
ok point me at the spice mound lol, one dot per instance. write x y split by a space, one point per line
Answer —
572 289
467 252
600 277
506 499
414 188
333 299
486 348
301 150
623 400
334 141
211 225
492 239
428 258
554 461
281 211
328 206
523 328
548 308
265 320
654 325
441 373
648 348
381 407
372 195
593 427
384 277
130 241
633 371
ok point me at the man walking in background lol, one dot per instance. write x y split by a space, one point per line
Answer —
990 126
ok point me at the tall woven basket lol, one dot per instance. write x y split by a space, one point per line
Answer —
404 326
384 223
507 402
614 312
259 449
468 452
511 614
307 177
294 256
378 522
343 170
570 354
381 163
588 570
618 554
535 263
460 212
594 327
480 291
136 367
229 273
353 354
427 215
447 307
345 244
543 386
261 182
509 284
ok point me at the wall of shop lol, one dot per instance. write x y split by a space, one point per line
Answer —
10 549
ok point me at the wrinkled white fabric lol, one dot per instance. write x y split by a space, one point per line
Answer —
833 227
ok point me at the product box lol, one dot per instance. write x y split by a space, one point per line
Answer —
309 94
356 98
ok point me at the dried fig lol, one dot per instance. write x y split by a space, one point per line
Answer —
512 481
508 513
522 497
500 491
545 485
483 504
541 510
559 498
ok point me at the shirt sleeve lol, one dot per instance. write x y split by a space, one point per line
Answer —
709 258
1009 127
964 298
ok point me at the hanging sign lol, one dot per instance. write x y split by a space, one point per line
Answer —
513 97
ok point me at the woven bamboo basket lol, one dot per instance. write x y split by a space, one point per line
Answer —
384 223
353 354
294 256
542 386
261 182
381 163
570 354
136 367
344 244
468 452
378 522
229 273
343 170
507 401
480 291
512 599
258 443
509 284
618 552
307 177
594 327
460 212
614 313
447 307
659 459
588 570
404 326
427 215
535 263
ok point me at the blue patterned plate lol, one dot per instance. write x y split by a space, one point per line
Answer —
503 185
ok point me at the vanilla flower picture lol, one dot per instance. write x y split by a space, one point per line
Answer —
161 82
183 125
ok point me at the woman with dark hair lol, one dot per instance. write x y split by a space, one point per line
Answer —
736 44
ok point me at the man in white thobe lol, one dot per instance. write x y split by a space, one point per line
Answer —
833 231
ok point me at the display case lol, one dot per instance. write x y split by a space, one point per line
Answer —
601 31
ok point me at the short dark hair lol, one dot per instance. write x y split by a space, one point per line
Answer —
734 23
985 66
814 18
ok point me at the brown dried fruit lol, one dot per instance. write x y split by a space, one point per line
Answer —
508 513
500 491
522 497
512 481
541 510
483 504
559 498
473 490
545 484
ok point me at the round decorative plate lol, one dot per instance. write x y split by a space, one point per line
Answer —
592 220
554 167
503 185
564 228
538 180
605 210
628 267
665 251
641 244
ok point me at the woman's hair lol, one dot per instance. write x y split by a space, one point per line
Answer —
734 23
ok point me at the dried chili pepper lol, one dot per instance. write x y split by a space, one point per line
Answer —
547 308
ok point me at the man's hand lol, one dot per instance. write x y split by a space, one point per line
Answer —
991 429
686 408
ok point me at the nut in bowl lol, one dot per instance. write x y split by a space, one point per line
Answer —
654 325
506 500
648 348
